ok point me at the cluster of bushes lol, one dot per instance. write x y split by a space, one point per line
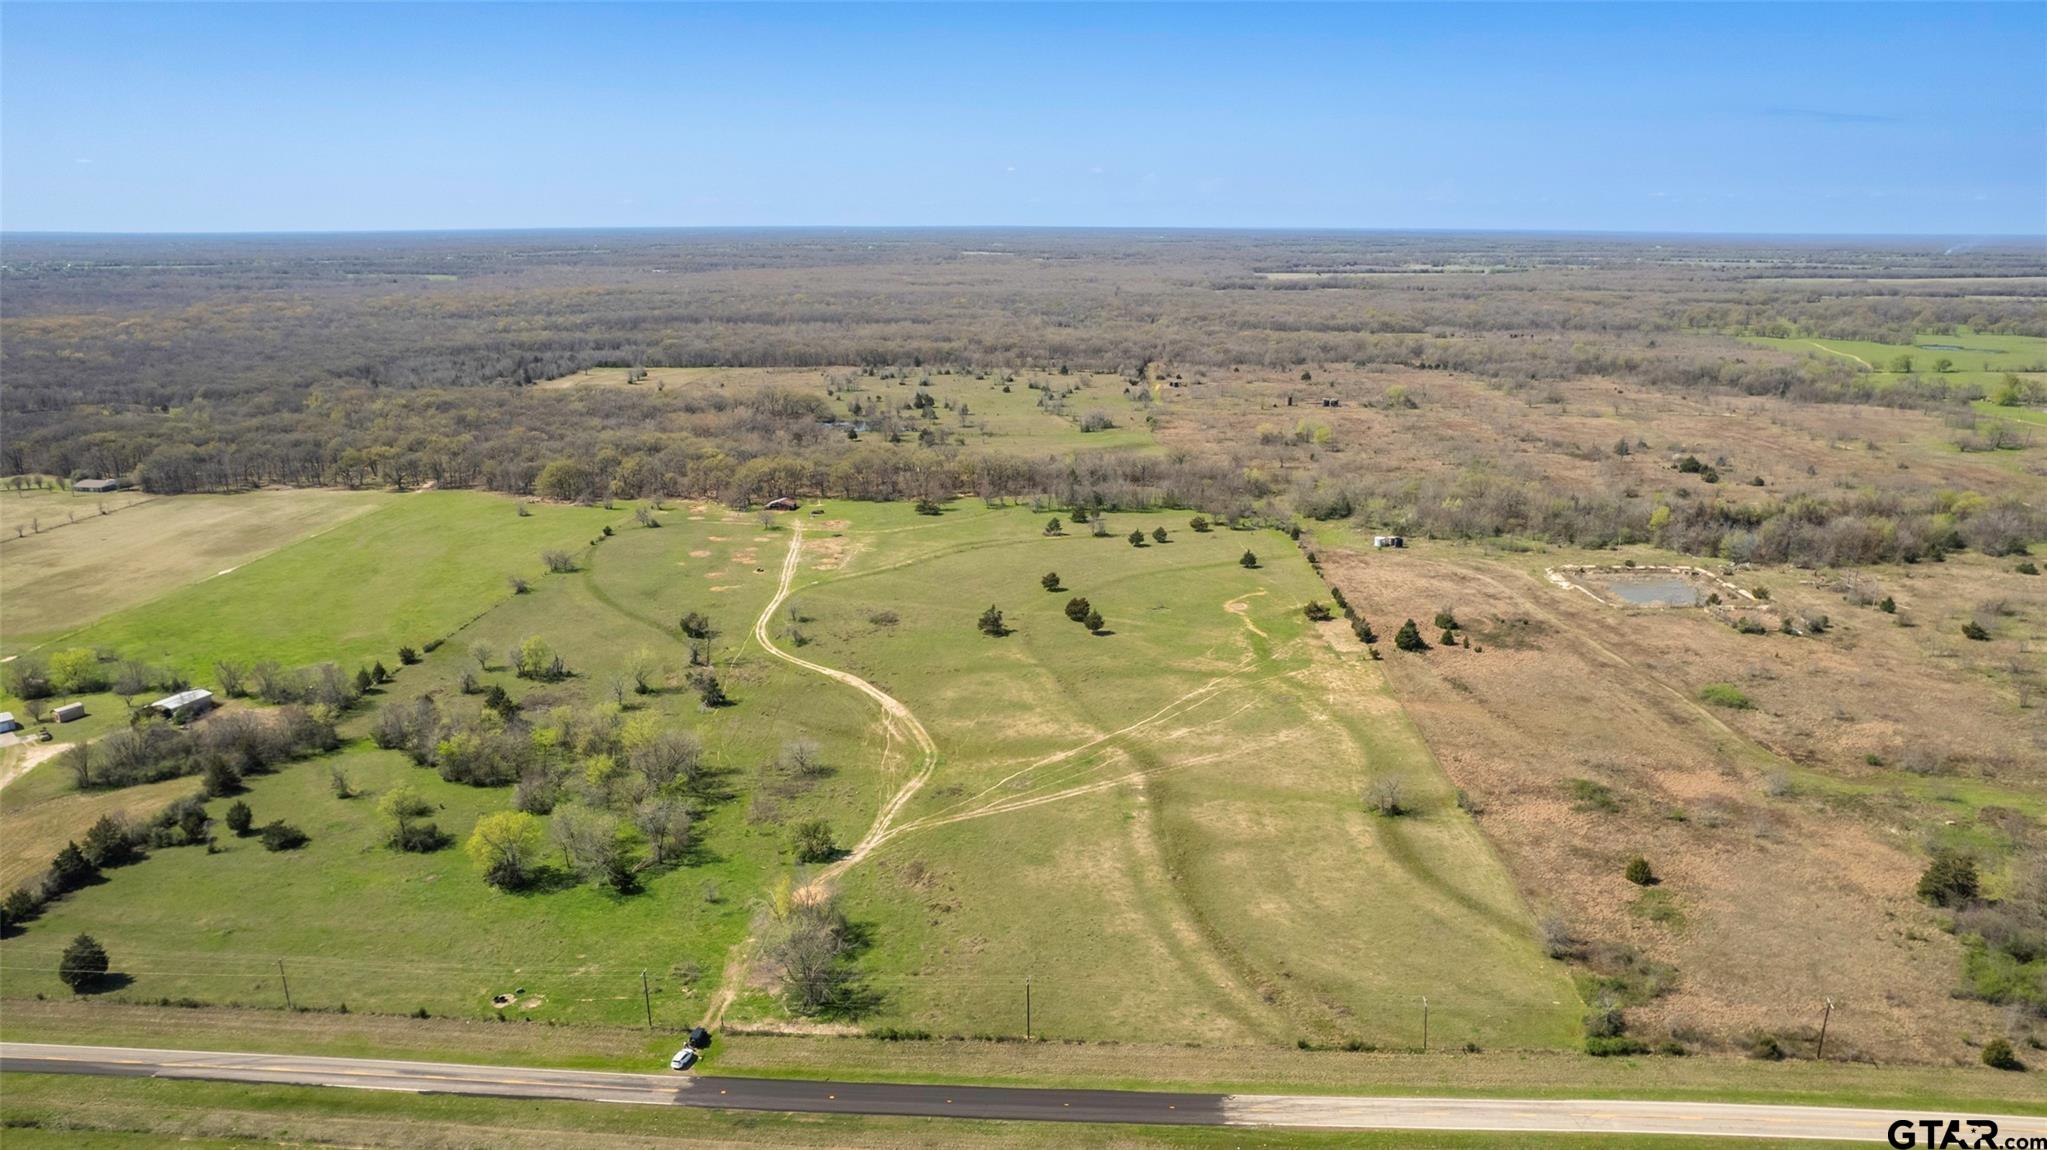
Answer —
1083 612
1876 527
407 809
534 659
224 750
492 749
82 671
1871 527
624 794
322 685
2004 940
810 945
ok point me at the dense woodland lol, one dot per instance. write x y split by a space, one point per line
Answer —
209 363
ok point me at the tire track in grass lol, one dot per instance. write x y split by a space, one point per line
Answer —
897 721
1843 354
897 718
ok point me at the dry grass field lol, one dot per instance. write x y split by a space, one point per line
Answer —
1402 425
1787 862
1789 831
1002 409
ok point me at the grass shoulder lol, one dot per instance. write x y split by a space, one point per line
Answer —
1128 1066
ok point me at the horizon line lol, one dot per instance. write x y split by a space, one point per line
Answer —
1297 229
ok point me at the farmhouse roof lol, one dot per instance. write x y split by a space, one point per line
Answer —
182 699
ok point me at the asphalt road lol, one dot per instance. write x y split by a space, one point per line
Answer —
1038 1105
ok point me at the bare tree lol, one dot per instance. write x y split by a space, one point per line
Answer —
231 674
1385 797
802 759
588 839
808 948
665 821
78 760
669 756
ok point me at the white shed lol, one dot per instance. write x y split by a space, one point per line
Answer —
194 701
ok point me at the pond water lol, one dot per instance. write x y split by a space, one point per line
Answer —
1650 591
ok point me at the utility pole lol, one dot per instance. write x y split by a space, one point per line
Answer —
281 977
647 997
1821 1053
1425 1024
1027 1008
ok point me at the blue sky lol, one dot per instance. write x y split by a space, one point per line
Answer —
1880 118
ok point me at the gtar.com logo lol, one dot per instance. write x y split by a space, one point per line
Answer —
1943 1132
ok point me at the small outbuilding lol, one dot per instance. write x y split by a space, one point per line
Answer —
196 701
68 712
1388 541
96 486
7 723
783 503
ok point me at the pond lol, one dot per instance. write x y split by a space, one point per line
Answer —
1650 591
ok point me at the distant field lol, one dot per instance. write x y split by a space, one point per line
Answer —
2033 415
417 569
1009 421
1161 826
1976 359
82 565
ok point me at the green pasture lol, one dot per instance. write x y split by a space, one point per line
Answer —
1011 420
1159 827
72 558
412 572
1975 359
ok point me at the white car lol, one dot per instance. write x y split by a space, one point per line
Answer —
684 1059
